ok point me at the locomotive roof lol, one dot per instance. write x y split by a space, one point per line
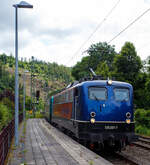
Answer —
103 82
97 82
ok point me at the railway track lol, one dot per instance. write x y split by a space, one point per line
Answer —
118 158
143 142
138 153
144 139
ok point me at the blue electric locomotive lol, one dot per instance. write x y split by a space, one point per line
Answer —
96 111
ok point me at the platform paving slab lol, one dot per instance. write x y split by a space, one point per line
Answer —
43 148
80 153
16 154
46 145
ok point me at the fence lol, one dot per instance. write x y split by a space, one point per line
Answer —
6 136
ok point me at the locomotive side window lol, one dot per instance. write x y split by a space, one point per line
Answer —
97 93
121 94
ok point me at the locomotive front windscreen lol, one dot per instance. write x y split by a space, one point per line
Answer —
121 94
97 93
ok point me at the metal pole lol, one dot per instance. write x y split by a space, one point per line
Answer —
24 94
16 77
31 91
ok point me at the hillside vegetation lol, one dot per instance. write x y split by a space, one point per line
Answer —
48 78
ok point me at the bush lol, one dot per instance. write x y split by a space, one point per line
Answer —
142 130
40 105
148 117
28 102
11 106
5 115
38 115
142 119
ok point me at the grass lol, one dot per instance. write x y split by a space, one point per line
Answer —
91 162
30 115
142 130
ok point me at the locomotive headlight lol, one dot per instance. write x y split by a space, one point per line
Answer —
92 120
109 82
93 114
128 121
128 115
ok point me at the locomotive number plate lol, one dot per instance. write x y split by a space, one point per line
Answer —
111 127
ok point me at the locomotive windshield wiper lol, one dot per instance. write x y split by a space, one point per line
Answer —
95 98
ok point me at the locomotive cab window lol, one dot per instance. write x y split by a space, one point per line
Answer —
121 94
97 93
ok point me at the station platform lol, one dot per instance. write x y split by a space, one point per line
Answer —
45 145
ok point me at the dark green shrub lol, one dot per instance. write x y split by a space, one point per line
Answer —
142 130
38 115
140 117
11 106
28 102
148 118
5 115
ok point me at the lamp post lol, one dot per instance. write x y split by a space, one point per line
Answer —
22 4
24 93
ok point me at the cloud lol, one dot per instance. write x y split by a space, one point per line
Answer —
55 30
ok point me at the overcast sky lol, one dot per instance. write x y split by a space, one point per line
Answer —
54 31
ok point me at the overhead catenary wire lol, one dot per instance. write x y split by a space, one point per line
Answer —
97 27
130 24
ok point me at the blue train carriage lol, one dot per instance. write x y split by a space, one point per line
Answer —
98 111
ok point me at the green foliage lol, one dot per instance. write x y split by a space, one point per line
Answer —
103 70
5 115
40 105
140 92
101 52
127 64
142 130
28 102
142 119
7 81
38 114
81 69
50 74
98 53
9 104
54 92
49 71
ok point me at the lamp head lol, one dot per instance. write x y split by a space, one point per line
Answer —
23 4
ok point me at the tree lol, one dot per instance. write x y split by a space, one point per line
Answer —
81 69
103 70
98 53
127 64
140 91
3 58
101 52
147 63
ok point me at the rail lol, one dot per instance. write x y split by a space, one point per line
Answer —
6 136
